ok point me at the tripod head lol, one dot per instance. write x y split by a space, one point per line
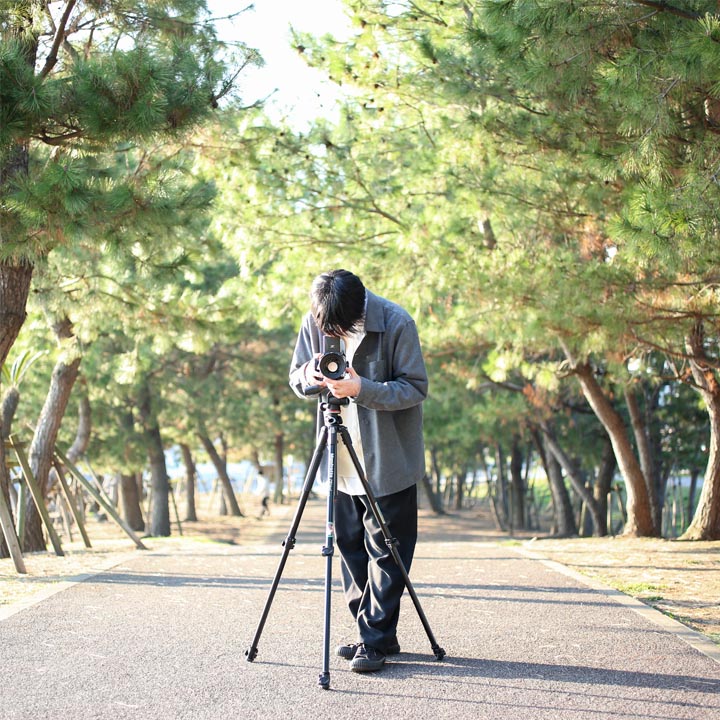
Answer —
329 404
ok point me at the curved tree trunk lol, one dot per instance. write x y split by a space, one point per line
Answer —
221 469
639 514
551 443
44 439
435 503
565 525
705 524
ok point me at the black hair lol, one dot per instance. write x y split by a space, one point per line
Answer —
337 302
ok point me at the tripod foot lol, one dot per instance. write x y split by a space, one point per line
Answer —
324 681
439 652
251 653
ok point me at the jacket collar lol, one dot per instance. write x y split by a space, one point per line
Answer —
374 315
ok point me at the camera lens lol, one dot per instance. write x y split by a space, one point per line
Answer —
332 365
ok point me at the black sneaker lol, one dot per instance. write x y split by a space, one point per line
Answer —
347 652
367 659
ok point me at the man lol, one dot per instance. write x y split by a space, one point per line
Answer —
386 383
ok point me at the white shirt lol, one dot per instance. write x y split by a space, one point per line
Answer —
348 481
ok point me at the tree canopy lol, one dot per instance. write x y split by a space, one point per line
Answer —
535 182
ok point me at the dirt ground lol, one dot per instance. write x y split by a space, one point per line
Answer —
681 579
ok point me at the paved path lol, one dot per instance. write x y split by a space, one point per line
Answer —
162 636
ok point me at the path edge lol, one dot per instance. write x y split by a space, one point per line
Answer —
692 637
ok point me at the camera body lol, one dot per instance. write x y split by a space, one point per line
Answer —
332 363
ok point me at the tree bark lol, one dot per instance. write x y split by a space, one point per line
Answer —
435 503
642 442
517 485
221 469
459 488
603 481
190 475
639 515
130 500
44 439
84 427
279 450
14 288
551 443
501 492
564 517
705 524
10 401
160 513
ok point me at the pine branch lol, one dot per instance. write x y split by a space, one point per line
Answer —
663 6
57 41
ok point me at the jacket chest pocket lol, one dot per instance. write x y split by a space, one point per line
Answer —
369 359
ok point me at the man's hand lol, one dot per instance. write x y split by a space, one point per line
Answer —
312 375
347 387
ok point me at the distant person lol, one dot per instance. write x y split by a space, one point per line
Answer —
386 383
265 502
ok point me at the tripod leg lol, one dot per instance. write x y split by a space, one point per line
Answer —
390 542
328 551
289 542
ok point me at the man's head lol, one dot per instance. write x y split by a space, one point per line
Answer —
337 302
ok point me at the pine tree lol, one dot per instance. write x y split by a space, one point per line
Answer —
83 86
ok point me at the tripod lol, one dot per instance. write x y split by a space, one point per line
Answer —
333 426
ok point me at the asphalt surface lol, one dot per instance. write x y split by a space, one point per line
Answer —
163 635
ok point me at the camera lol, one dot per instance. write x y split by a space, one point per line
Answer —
332 363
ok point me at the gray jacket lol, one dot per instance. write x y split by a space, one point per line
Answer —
393 386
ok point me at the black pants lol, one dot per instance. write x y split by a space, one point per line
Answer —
372 581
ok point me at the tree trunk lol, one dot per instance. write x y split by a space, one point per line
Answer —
279 444
221 469
10 401
603 481
437 493
42 448
130 501
14 287
82 434
460 488
705 524
564 517
190 475
642 442
551 443
639 515
435 503
501 492
160 483
517 485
